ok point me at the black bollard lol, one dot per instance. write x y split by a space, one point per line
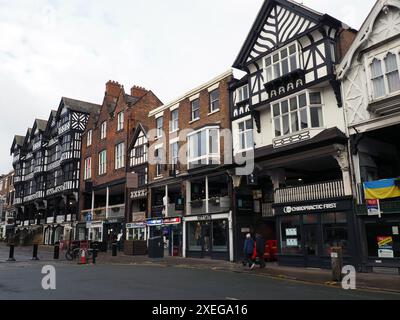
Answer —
35 252
11 256
114 249
94 256
56 252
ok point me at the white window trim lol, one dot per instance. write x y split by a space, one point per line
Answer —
120 121
171 129
102 166
210 102
298 61
244 120
120 156
88 169
309 127
160 134
194 97
213 87
191 110
380 55
103 130
208 155
89 138
237 101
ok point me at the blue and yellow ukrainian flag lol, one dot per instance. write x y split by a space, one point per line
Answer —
381 189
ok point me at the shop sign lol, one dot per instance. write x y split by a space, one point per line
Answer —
395 230
313 208
385 247
373 207
172 221
155 222
204 217
139 194
135 225
60 219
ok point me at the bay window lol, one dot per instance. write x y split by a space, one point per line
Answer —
119 156
385 75
281 62
246 135
203 147
297 113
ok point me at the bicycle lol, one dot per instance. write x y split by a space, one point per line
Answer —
76 253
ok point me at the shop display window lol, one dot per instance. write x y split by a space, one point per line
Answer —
383 239
195 236
290 235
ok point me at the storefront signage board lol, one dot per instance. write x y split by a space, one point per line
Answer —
373 207
313 208
204 217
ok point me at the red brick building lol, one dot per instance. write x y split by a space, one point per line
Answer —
104 161
189 188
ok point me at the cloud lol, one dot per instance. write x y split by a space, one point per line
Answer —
54 48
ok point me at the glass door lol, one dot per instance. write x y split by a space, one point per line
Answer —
206 239
311 239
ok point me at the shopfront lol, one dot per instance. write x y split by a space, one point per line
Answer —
307 232
170 229
136 231
208 236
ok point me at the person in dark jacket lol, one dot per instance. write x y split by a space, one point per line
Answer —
248 251
260 248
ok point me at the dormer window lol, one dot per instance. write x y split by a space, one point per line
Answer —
281 62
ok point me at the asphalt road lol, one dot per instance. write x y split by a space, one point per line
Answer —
129 282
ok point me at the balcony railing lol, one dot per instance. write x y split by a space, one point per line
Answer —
117 211
215 205
310 192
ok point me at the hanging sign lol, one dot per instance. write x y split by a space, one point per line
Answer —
373 207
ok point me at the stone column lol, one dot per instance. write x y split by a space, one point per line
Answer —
342 158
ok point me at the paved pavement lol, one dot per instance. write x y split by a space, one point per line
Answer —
273 272
154 282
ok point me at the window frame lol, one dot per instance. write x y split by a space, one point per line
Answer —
244 134
193 111
308 106
87 174
239 94
119 156
272 64
174 122
102 162
160 129
381 57
89 138
212 101
103 130
207 156
120 121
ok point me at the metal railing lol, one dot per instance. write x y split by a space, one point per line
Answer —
310 192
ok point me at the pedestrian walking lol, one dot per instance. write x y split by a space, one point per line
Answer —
248 251
260 248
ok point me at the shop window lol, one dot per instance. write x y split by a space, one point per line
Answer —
383 239
220 236
291 235
334 228
195 237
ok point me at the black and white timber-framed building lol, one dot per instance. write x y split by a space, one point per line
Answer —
47 166
287 110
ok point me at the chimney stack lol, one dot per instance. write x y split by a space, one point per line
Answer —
138 92
113 88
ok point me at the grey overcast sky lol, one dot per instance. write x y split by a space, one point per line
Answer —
55 48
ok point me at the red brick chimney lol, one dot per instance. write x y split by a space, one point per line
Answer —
113 88
138 92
